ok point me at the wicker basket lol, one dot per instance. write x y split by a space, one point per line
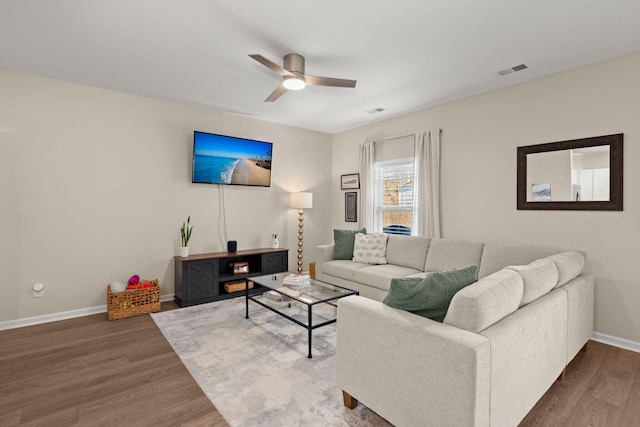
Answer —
236 286
134 302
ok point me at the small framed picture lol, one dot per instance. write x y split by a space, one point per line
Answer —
351 207
350 182
541 192
240 267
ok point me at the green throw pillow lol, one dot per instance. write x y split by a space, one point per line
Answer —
429 297
344 239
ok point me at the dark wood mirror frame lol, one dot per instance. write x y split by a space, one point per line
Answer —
615 169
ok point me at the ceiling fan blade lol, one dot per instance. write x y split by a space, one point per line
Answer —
271 65
328 81
277 93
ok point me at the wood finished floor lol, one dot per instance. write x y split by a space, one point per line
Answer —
91 371
94 372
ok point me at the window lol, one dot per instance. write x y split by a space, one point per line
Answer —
394 201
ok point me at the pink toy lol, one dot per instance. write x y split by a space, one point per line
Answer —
133 280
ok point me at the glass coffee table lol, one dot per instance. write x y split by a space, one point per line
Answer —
317 297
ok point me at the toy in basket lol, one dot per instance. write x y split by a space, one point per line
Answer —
139 297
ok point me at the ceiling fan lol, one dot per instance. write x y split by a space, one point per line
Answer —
293 76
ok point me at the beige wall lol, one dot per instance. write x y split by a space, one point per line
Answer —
479 140
94 185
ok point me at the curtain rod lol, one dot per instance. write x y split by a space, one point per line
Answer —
402 135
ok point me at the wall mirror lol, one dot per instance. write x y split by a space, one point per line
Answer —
580 174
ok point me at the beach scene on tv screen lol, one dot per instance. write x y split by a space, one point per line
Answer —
227 160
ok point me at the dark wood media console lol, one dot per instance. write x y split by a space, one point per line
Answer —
200 278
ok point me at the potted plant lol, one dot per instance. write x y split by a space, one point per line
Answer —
185 233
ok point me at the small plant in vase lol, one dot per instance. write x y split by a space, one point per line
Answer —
185 234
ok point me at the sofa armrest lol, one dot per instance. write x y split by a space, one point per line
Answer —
410 369
324 254
580 313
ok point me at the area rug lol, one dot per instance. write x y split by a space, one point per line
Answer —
256 371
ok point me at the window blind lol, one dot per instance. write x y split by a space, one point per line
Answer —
394 199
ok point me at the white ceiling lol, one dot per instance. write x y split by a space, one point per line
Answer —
406 54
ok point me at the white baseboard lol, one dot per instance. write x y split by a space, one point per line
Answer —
616 342
54 317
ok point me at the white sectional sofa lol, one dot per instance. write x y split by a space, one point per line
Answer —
504 341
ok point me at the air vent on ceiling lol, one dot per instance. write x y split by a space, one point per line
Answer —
512 69
376 110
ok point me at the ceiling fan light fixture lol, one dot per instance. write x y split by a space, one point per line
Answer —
293 76
293 83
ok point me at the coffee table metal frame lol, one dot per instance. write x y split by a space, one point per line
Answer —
274 281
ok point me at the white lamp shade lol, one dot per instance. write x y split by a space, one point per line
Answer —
302 200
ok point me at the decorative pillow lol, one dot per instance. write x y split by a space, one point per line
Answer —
370 248
429 297
343 243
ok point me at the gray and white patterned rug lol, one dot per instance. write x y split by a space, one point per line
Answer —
256 371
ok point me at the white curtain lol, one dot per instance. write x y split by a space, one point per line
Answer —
427 175
367 159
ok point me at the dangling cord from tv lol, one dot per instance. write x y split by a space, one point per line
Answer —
223 216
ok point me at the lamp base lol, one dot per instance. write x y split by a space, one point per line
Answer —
300 233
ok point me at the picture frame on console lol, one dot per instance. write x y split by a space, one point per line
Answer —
351 207
240 267
350 181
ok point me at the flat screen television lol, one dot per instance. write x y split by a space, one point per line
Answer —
220 159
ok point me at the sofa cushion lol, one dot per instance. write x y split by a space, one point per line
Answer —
569 264
343 243
407 251
538 278
429 297
342 268
480 305
444 254
497 257
379 276
370 248
421 274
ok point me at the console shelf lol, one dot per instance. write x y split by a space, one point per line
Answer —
200 278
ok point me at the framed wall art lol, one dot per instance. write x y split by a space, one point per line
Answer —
350 181
351 207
